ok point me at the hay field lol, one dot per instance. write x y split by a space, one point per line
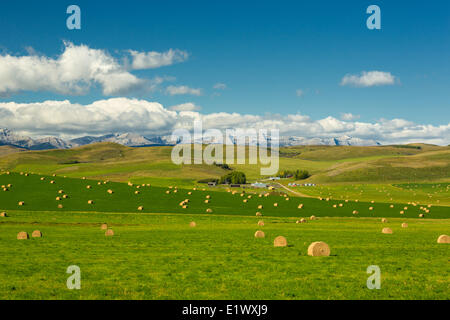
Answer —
159 256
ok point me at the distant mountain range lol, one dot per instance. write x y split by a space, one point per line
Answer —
7 137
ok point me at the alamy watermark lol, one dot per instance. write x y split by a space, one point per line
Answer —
74 281
231 145
73 22
374 280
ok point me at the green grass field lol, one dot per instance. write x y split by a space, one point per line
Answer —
155 254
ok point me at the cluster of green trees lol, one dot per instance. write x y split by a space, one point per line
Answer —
234 177
297 174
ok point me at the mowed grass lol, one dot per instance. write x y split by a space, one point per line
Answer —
41 196
430 193
159 256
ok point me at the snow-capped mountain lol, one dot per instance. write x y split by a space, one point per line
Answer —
8 137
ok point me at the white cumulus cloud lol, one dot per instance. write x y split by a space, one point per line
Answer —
369 79
153 59
183 90
189 106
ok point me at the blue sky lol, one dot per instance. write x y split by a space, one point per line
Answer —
263 51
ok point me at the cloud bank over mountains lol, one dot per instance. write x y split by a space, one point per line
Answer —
120 115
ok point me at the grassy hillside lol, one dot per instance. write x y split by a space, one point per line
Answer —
383 164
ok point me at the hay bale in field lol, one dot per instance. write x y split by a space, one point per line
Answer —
83 178
313 218
104 226
52 182
65 196
391 206
443 239
60 206
384 220
137 192
23 236
3 215
189 193
185 207
208 210
60 191
334 205
372 201
404 225
245 200
5 189
318 249
140 208
110 191
206 201
370 208
208 197
138 187
259 214
21 203
421 215
130 184
280 241
355 212
175 191
42 179
387 231
405 208
36 234
300 206
287 199
58 199
109 233
249 197
90 201
341 205
167 192
260 206
260 195
192 224
88 187
275 204
402 212
259 234
261 223
302 220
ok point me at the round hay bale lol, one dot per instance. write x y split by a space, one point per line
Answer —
387 231
275 204
110 191
208 197
402 212
140 208
404 225
137 192
61 191
245 200
23 236
280 241
260 206
443 239
384 220
189 193
42 179
287 199
3 215
65 196
208 210
302 220
370 208
259 214
167 192
21 203
261 223
185 207
192 224
58 199
341 205
52 182
313 218
104 226
334 205
355 212
36 234
391 206
421 215
60 206
300 206
90 201
206 201
259 234
318 249
109 233
84 178
88 187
